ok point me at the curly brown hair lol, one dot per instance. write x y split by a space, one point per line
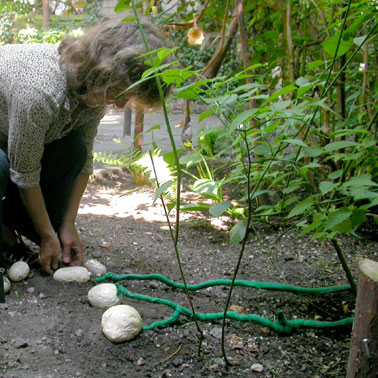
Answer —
108 57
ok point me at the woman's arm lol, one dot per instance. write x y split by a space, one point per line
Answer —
69 238
36 208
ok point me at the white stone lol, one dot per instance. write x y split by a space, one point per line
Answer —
18 271
95 267
7 284
257 367
121 323
72 274
104 296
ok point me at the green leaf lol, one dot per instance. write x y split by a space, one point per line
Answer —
243 117
128 19
195 207
336 217
293 186
207 188
191 159
297 142
260 192
156 127
237 211
330 46
358 217
315 64
301 207
339 145
364 180
206 114
122 5
269 129
312 165
281 92
345 226
305 89
335 175
162 54
361 194
219 208
280 105
326 186
262 148
237 232
317 221
162 188
312 152
176 75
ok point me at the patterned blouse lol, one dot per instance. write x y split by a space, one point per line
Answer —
36 109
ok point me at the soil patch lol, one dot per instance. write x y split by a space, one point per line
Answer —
48 329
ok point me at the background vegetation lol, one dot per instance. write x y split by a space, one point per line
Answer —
294 84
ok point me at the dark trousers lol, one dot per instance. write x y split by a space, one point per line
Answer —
61 163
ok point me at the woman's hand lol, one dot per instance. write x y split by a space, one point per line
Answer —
71 244
49 253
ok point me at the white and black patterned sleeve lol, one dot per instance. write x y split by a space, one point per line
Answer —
29 113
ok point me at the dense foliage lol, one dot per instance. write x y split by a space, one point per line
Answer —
21 21
296 96
306 117
298 118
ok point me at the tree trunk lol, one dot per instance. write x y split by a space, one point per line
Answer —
289 42
127 121
215 62
363 355
46 14
244 49
139 123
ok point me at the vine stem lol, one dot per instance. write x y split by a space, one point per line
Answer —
175 236
345 266
244 136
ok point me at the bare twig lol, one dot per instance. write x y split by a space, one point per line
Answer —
169 357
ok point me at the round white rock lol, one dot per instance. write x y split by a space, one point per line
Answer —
72 274
18 271
95 267
7 284
104 296
121 323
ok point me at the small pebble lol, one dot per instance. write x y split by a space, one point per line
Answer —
257 367
79 333
153 285
141 361
19 343
216 332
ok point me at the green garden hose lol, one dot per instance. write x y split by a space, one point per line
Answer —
281 325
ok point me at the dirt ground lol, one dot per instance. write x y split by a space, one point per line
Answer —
48 329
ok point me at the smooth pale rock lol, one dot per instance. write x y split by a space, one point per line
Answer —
257 367
7 284
18 271
95 267
104 296
72 274
121 323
